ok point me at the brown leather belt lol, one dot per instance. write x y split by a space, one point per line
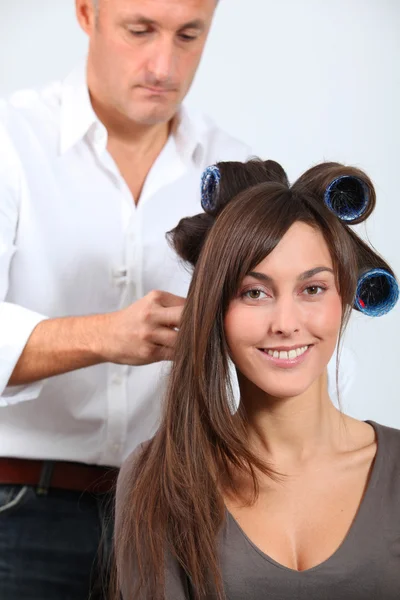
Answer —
45 475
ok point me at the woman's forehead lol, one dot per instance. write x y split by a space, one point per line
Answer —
302 248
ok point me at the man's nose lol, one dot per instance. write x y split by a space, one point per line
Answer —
162 60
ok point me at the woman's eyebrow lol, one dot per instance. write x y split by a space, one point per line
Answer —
315 271
306 275
260 276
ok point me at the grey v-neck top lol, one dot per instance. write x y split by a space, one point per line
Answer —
365 567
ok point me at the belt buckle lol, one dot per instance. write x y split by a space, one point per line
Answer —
46 475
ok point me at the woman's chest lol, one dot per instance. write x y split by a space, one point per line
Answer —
360 572
303 521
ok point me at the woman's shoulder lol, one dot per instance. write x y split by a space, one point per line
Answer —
388 439
389 433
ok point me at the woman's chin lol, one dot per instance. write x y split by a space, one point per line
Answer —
284 390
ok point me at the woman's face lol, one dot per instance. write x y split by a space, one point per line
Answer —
283 324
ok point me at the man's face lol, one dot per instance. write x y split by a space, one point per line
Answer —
143 54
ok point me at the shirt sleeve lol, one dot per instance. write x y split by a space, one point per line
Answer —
16 322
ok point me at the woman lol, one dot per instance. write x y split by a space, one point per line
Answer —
282 496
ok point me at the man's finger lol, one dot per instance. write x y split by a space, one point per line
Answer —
169 317
165 337
163 353
168 300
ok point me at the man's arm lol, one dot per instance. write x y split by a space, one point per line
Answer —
140 334
33 347
16 322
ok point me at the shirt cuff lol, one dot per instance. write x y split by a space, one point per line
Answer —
16 326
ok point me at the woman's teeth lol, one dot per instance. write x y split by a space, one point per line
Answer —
284 355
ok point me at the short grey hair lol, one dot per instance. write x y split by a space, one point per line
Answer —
96 4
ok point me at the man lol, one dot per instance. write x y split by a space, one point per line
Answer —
93 172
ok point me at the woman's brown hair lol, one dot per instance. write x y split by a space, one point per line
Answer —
172 503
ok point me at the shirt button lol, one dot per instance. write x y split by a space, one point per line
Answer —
116 447
120 275
117 379
120 272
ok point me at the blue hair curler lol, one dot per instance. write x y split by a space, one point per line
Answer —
347 197
209 185
377 293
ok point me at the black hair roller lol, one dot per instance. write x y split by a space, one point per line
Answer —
377 293
348 198
209 188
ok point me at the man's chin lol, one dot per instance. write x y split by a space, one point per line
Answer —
154 116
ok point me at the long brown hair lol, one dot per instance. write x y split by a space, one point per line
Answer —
173 504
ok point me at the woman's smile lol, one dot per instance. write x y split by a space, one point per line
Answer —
286 358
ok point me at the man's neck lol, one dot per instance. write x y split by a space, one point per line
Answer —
134 149
144 142
131 136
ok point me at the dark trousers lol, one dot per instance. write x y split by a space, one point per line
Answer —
55 546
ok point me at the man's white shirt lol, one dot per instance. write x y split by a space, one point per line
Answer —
73 242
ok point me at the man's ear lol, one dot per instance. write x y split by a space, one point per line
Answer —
85 13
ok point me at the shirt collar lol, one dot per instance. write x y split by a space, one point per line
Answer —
79 119
189 130
77 114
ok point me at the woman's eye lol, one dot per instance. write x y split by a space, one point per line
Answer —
254 294
314 290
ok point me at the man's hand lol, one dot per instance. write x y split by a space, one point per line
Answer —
144 332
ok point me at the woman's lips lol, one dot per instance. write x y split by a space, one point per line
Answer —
285 359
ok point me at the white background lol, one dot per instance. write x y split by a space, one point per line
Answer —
301 81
